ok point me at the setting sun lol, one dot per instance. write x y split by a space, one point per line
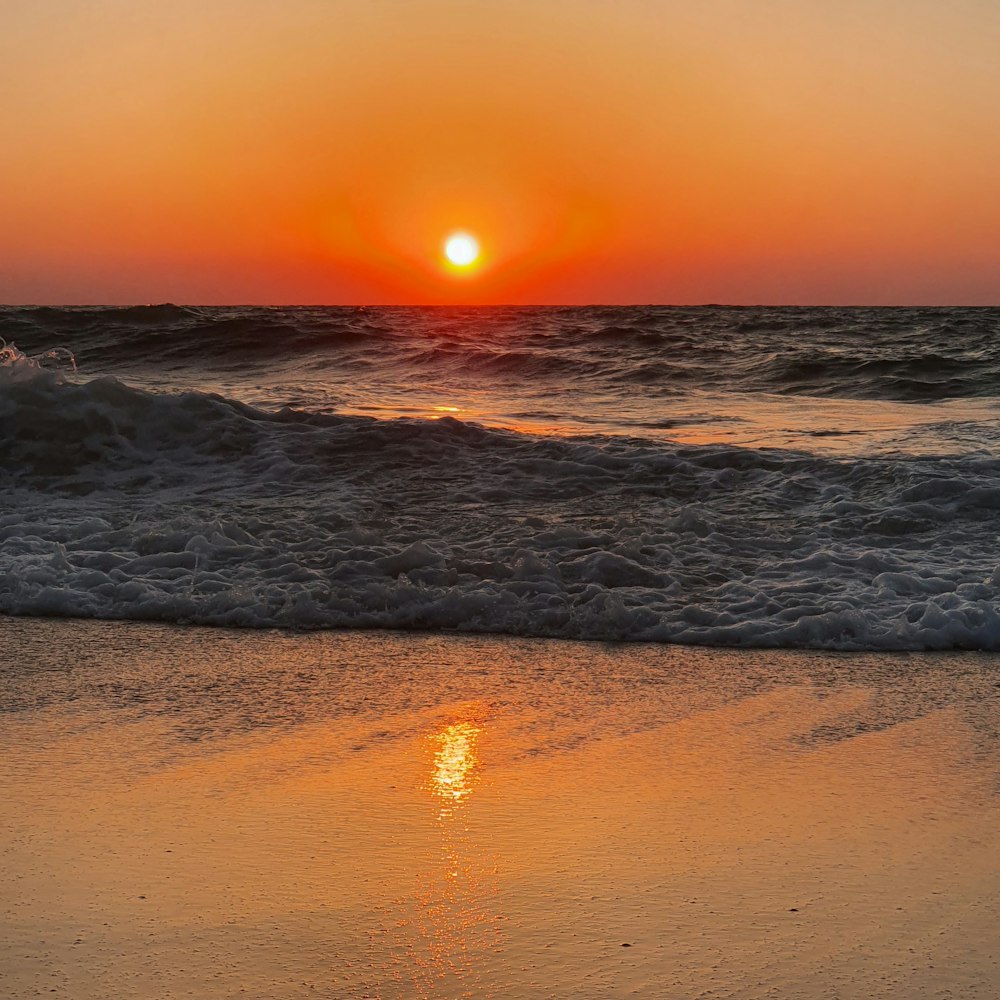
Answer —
461 249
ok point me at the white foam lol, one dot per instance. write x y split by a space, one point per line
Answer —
190 507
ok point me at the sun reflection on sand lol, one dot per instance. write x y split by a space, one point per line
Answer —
451 922
455 762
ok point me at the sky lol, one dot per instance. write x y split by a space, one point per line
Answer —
601 151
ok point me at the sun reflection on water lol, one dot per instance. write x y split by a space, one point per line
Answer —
449 929
455 762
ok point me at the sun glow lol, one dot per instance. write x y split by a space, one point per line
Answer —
461 249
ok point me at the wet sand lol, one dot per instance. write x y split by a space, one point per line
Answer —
205 813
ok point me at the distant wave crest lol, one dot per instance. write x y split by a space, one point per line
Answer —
913 355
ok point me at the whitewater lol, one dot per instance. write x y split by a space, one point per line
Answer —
824 478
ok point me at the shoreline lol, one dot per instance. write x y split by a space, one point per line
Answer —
294 632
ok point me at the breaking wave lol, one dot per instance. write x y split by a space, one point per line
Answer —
123 503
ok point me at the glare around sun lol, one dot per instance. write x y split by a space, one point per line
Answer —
461 249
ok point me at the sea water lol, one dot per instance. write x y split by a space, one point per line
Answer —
821 477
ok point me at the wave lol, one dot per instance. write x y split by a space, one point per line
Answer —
908 355
193 507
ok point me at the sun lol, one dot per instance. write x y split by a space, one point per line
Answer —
461 249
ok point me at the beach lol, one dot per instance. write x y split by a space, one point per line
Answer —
499 500
216 813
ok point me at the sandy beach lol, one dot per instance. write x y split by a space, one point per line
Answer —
207 813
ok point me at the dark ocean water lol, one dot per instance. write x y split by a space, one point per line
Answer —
742 476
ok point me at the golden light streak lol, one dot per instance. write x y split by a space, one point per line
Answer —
455 760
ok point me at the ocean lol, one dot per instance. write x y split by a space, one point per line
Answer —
730 476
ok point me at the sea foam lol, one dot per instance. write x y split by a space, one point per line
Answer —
116 502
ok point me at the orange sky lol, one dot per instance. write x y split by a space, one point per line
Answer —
318 151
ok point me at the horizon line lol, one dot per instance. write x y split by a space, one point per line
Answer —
495 305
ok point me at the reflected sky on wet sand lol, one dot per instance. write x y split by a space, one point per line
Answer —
383 815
